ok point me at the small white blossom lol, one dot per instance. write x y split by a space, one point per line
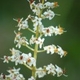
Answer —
23 58
51 4
17 37
36 22
51 69
32 4
36 8
40 6
50 49
15 56
15 71
58 30
22 24
49 14
40 72
14 51
48 31
14 74
6 59
20 40
32 39
59 71
40 42
32 78
61 52
30 60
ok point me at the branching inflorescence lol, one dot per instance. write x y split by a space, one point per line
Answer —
41 10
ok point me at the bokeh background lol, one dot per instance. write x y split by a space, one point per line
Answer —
69 41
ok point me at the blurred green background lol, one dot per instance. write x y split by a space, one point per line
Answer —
69 41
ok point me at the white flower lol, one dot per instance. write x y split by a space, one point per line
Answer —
15 56
50 49
40 6
49 14
32 4
49 5
58 30
40 72
6 59
48 31
36 8
22 24
15 75
32 78
22 41
18 36
30 60
23 58
59 71
61 52
51 69
15 71
36 22
32 39
14 51
40 42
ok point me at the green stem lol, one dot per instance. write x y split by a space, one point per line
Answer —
28 66
35 55
36 48
42 1
29 48
31 30
38 51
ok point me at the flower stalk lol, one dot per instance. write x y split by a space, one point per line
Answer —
35 54
41 10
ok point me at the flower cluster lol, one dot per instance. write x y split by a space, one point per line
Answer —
50 69
36 8
41 10
38 41
13 75
53 49
22 24
20 40
20 58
